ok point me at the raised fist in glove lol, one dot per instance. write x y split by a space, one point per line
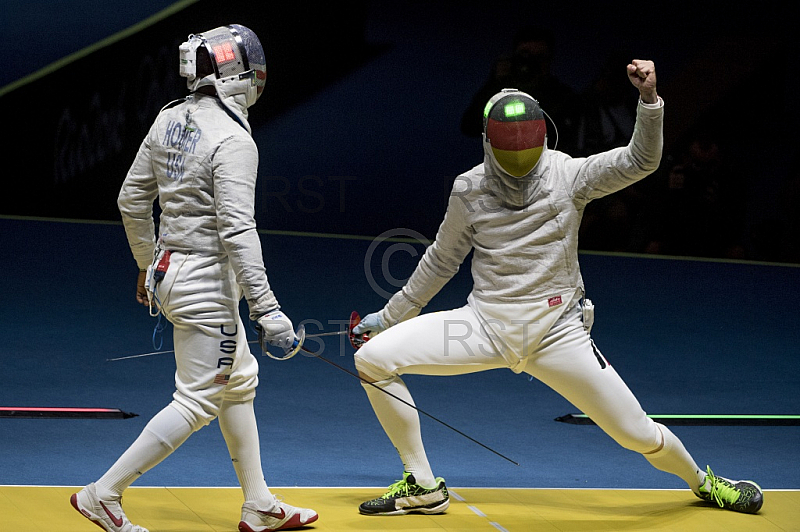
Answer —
277 329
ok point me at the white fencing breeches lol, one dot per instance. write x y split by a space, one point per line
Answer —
454 342
200 297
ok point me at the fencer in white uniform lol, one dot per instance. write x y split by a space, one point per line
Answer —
520 212
200 161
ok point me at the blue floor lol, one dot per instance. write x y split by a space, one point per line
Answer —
688 337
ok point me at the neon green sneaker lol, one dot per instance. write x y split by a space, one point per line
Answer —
406 496
737 495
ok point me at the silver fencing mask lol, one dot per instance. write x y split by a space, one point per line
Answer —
236 55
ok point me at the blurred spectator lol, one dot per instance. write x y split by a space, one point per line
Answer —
776 237
608 111
698 207
616 224
528 70
607 117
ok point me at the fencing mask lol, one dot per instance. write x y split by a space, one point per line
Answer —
514 128
236 58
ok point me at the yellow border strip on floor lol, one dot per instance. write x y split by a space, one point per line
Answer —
500 509
64 61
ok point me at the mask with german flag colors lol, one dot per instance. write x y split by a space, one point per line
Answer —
514 128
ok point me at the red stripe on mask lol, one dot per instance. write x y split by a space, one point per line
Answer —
515 136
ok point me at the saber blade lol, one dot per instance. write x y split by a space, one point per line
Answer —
334 333
140 356
155 353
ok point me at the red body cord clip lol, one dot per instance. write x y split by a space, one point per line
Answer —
163 265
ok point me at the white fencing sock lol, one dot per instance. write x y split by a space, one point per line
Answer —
401 424
673 458
237 421
163 434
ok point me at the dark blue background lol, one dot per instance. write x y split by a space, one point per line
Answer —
359 126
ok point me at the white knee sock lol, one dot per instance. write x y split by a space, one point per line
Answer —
237 421
163 434
673 458
401 424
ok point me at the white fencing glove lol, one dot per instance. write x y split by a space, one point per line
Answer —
278 330
399 308
371 324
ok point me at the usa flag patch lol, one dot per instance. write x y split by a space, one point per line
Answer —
222 379
553 301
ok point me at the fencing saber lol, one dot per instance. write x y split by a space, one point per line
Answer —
356 340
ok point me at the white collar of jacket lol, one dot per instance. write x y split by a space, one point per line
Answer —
235 94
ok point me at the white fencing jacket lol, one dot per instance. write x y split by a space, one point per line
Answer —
201 162
524 231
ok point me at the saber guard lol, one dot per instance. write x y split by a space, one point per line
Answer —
356 340
300 333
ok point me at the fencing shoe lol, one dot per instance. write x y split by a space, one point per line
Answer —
738 495
107 514
406 496
282 517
